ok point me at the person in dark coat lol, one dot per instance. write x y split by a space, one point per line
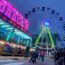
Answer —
59 58
27 52
34 57
63 52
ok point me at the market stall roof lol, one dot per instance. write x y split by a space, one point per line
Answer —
6 27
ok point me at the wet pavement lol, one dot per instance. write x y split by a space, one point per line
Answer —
23 61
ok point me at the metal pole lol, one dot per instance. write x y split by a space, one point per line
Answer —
18 40
47 41
27 43
30 43
42 40
10 34
47 49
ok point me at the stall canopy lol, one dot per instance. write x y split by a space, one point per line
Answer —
6 28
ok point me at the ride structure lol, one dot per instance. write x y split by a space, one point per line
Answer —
46 23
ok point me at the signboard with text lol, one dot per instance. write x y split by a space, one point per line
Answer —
8 10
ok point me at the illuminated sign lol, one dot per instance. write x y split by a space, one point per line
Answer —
13 14
3 0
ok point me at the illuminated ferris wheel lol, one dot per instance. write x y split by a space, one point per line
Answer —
43 18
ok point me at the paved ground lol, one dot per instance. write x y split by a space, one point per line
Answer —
22 61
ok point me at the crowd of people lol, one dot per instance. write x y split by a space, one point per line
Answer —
59 54
36 55
59 57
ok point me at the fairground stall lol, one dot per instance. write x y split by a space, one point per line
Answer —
13 29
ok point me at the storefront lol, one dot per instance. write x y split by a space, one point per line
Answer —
13 26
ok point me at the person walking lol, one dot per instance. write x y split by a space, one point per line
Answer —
42 53
27 52
59 57
38 55
34 57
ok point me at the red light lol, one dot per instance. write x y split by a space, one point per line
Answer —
10 21
14 24
21 28
0 14
18 26
24 30
4 18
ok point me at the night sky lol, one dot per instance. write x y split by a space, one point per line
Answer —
36 19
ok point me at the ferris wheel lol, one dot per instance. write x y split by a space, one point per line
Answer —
45 18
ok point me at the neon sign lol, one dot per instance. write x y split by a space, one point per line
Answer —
3 0
13 14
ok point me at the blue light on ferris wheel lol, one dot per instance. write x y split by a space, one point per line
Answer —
46 23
